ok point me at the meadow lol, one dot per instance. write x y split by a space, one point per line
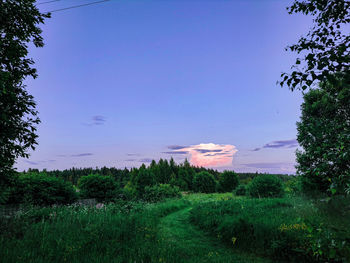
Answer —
193 215
217 227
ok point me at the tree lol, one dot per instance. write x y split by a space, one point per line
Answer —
204 182
325 49
19 26
228 181
143 178
101 187
324 134
323 68
266 185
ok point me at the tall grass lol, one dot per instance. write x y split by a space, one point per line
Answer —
291 229
113 233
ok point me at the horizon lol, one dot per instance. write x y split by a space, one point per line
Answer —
122 83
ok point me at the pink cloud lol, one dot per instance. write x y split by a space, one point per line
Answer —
210 154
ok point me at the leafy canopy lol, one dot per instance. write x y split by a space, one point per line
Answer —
324 134
324 51
19 26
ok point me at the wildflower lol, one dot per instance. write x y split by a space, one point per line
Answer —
285 227
234 239
99 205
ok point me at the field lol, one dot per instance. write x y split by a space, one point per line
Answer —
194 228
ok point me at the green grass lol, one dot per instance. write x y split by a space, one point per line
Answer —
193 245
196 228
291 228
73 234
202 198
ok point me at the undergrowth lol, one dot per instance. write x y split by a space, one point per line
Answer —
112 233
291 229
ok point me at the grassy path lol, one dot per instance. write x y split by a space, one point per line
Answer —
193 245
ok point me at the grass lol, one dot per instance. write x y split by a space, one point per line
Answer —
292 229
114 233
193 245
196 228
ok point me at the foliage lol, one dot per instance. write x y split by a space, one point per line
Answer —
294 185
113 233
266 186
181 175
204 182
325 48
19 26
41 189
241 190
160 192
324 134
101 187
292 230
228 181
142 178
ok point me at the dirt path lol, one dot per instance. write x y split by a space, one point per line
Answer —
193 245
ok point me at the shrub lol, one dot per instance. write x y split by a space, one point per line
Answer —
294 185
241 190
204 182
103 188
160 192
266 186
228 181
41 189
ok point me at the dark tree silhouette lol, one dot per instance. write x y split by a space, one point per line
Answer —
19 26
324 51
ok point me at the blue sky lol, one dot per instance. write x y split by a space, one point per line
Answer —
125 81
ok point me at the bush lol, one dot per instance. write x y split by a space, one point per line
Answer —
204 182
41 189
241 190
160 192
266 186
103 188
228 181
294 185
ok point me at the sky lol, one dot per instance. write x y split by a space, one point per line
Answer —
124 82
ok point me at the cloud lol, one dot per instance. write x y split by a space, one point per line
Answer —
47 161
208 154
133 154
279 144
40 162
146 160
207 151
96 120
176 147
81 154
215 154
32 163
176 152
130 160
282 166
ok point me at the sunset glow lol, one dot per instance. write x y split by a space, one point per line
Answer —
210 154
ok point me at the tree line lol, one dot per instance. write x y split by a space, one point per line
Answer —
162 172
